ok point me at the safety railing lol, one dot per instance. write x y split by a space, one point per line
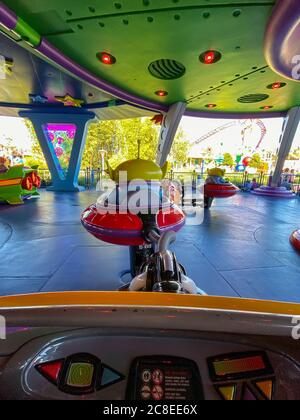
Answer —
89 178
237 178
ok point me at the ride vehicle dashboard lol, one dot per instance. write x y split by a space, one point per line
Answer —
160 361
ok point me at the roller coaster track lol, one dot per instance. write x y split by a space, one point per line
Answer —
245 123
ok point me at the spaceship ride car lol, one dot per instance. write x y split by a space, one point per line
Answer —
19 183
65 63
217 187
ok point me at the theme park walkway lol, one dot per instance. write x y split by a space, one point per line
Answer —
241 249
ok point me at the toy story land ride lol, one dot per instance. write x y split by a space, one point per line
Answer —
62 64
19 183
137 214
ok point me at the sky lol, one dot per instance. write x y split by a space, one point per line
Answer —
231 138
194 128
15 129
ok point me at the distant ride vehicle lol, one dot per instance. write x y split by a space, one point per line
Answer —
19 183
217 187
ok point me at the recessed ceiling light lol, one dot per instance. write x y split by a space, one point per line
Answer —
106 58
210 57
161 93
267 107
277 85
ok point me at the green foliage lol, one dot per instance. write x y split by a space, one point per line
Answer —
228 160
180 149
257 163
294 155
118 140
37 156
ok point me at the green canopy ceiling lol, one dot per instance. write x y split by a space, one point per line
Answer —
140 32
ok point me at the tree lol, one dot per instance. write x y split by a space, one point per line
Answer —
264 167
228 160
294 155
37 156
180 149
118 139
259 164
101 137
255 161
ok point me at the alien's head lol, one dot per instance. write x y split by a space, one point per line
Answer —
136 169
217 172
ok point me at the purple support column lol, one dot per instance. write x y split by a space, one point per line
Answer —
8 17
282 38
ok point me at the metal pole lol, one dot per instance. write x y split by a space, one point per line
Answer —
286 142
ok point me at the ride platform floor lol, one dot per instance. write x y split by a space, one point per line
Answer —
241 249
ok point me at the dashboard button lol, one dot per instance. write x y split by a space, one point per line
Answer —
110 377
248 394
227 393
51 370
80 375
266 388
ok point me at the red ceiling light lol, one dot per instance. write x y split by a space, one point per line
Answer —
210 57
267 107
161 93
276 85
106 58
211 106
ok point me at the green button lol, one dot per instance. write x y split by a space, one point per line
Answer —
80 375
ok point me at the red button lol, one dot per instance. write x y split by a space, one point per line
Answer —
51 370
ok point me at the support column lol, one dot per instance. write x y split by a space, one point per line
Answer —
286 143
63 179
168 131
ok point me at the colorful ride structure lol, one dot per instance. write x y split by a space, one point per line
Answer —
19 183
245 125
242 159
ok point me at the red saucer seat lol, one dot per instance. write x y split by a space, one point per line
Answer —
220 190
126 229
123 213
295 240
